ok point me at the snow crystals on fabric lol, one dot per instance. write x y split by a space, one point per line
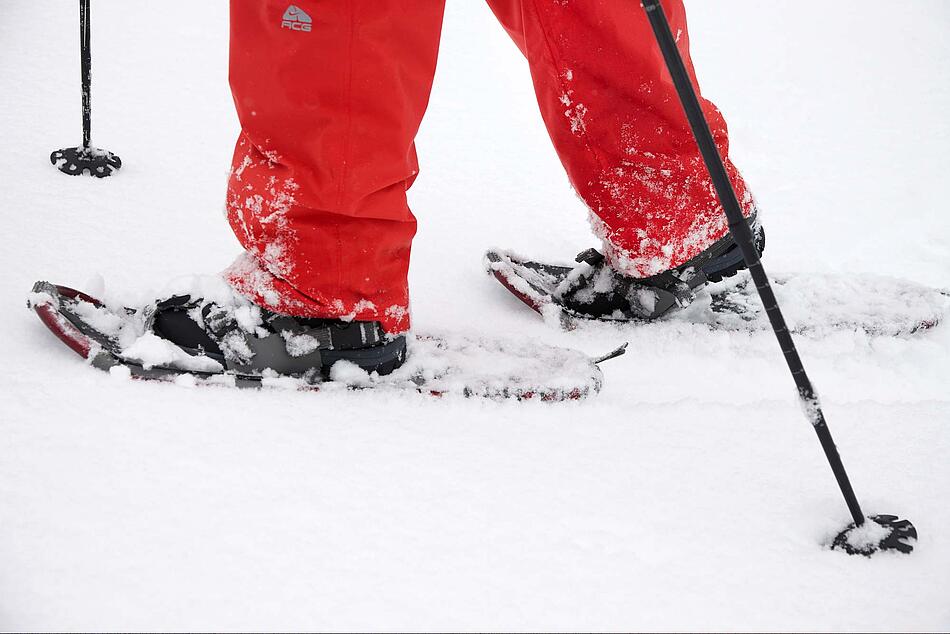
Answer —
341 312
249 278
396 313
575 111
258 208
655 212
262 199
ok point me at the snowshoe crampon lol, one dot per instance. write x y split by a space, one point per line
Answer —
113 339
814 304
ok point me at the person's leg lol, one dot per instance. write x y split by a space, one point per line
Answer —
330 95
612 112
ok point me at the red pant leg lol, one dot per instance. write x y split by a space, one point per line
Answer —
612 112
330 98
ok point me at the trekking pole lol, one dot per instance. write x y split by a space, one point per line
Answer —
74 161
865 542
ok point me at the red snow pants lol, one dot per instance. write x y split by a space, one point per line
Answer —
330 94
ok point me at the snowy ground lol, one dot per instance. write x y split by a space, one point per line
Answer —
690 495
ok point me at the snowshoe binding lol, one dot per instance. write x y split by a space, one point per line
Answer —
290 346
594 290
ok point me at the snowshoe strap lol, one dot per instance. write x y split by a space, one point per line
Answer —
334 335
253 355
247 352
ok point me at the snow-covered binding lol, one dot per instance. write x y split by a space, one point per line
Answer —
593 289
248 339
877 533
815 304
121 341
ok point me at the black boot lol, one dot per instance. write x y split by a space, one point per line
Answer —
251 340
596 291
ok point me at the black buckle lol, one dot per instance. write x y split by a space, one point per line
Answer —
590 256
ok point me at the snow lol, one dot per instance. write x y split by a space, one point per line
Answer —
299 345
150 350
691 494
490 366
350 374
868 536
816 304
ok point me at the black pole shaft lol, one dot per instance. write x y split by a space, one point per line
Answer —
86 62
742 234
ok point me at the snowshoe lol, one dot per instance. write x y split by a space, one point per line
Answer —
815 305
226 340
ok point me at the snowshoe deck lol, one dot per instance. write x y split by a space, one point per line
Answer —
813 303
441 364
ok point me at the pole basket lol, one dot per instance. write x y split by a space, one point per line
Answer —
78 160
877 533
